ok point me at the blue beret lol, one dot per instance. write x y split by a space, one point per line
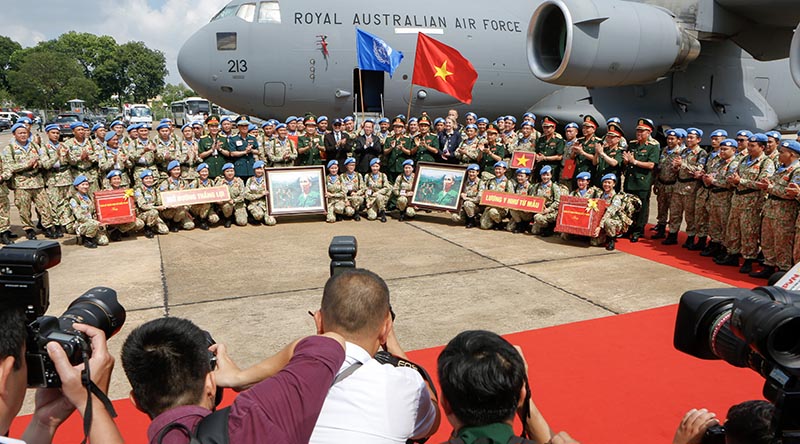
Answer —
197 123
501 164
571 125
113 173
79 180
609 176
383 120
109 135
792 145
671 132
471 114
24 120
132 127
402 116
374 161
744 133
370 120
290 119
473 166
50 127
337 121
696 131
173 164
280 125
115 123
349 160
719 133
266 123
322 119
162 125
613 119
243 122
526 123
145 173
347 119
224 119
483 120
529 115
437 120
165 120
524 171
201 166
258 164
227 166
729 142
584 175
251 127
758 137
74 125
408 162
17 126
471 126
511 118
413 119
97 126
775 135
545 169
186 125
332 163
681 133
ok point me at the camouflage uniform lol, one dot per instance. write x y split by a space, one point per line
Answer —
665 183
179 214
520 217
469 204
88 167
780 215
5 204
494 215
683 196
166 151
402 190
147 199
256 196
84 219
744 224
719 196
278 149
337 201
468 151
378 191
701 200
204 211
618 216
187 153
110 159
354 186
547 218
27 181
58 181
144 158
134 226
237 208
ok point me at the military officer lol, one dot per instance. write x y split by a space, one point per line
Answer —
425 146
682 201
608 155
640 162
470 198
176 217
148 204
520 220
283 150
397 149
211 146
724 164
549 148
544 221
89 230
704 191
336 194
58 179
82 155
378 191
584 149
493 216
256 195
491 152
310 146
241 150
403 190
235 207
204 213
354 186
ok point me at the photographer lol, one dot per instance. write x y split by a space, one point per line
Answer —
747 423
53 406
169 364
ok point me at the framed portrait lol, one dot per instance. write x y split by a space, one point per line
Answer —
438 186
296 190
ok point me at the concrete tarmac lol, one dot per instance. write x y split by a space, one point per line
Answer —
252 286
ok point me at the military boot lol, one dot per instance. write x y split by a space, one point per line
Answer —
228 222
89 242
747 266
700 245
765 272
30 233
689 242
711 250
672 239
382 215
470 222
728 259
611 244
660 232
5 238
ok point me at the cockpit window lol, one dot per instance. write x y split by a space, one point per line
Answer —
225 12
269 12
247 12
226 41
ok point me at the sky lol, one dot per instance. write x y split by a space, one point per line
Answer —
161 24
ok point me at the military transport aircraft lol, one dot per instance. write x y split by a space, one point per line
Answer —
705 63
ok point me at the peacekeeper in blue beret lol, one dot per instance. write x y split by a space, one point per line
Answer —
544 221
384 129
177 217
618 216
84 216
690 165
715 180
640 163
355 186
744 222
702 216
82 152
58 179
404 189
204 213
584 187
336 194
470 198
256 195
143 153
148 205
235 207
521 220
773 141
113 181
23 166
743 139
378 190
492 217
112 156
491 152
166 148
283 150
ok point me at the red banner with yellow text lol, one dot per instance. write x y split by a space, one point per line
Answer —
114 206
520 202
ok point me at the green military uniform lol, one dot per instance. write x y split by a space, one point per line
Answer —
744 223
399 150
282 152
236 208
422 153
256 196
553 146
638 180
215 160
27 181
243 165
314 147
583 163
486 161
780 215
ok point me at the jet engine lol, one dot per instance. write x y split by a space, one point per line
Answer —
794 56
601 43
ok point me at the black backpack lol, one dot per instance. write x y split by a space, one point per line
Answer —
213 429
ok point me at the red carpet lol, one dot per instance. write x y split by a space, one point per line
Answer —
609 380
691 261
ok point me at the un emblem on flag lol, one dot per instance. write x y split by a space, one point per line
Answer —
382 51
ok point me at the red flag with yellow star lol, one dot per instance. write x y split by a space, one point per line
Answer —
443 68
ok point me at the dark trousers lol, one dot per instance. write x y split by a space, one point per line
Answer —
641 216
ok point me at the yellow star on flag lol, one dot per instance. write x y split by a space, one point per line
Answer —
441 71
523 161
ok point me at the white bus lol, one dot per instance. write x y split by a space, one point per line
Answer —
190 109
137 113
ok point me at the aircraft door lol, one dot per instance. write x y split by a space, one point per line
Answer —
274 93
371 84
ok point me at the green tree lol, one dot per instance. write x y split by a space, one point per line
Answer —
133 72
88 49
48 79
7 48
172 93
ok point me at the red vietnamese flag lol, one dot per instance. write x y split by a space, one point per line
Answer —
444 69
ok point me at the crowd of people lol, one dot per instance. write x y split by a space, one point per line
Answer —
738 198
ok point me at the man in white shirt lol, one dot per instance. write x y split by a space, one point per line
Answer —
369 401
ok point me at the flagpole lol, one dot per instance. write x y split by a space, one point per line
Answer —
361 93
410 97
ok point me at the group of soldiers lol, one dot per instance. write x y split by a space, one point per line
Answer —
371 171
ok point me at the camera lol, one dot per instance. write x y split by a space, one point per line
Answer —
342 251
758 329
24 283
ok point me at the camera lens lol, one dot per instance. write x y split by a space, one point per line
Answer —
784 343
97 307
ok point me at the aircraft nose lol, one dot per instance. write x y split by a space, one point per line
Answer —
194 60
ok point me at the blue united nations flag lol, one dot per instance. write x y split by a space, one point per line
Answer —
374 54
